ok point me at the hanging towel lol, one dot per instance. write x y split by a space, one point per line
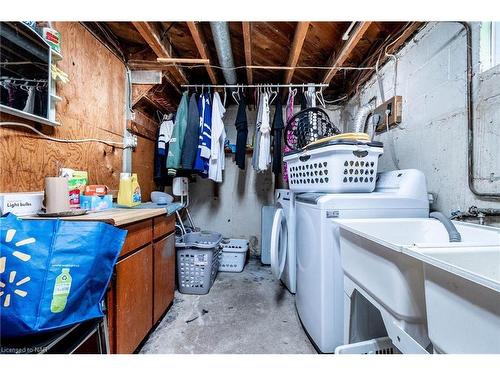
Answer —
201 163
175 145
289 115
265 136
190 144
278 126
217 157
242 133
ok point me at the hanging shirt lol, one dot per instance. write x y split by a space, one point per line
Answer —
265 136
217 157
175 146
201 163
190 145
242 133
257 134
278 126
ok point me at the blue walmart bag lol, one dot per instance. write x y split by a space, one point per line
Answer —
53 273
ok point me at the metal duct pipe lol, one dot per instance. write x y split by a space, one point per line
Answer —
222 40
362 115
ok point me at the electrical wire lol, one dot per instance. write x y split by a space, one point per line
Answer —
83 140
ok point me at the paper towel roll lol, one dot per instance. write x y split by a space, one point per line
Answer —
56 195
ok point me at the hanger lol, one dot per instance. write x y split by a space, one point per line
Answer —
236 95
321 99
274 95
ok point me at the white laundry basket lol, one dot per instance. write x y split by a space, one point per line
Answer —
381 345
340 166
234 252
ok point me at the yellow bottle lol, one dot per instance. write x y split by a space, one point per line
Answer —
129 193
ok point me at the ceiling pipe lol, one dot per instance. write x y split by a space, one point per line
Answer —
222 40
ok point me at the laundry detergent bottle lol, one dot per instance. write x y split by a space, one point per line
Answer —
62 288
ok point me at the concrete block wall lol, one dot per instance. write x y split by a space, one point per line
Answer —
235 211
431 77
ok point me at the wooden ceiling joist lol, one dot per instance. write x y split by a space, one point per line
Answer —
139 91
247 44
201 45
151 34
337 60
390 48
298 42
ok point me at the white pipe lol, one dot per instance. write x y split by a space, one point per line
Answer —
348 31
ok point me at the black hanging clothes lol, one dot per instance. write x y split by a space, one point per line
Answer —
190 145
303 101
278 127
242 133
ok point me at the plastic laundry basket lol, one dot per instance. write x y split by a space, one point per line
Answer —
381 345
234 252
339 166
198 259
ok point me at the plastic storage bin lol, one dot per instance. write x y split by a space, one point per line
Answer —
340 166
234 253
198 259
381 345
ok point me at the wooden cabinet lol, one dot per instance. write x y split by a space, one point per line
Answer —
164 275
134 299
144 282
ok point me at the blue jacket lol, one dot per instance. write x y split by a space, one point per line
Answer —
205 138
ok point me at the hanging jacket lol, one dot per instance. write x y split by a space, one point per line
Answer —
190 145
175 146
278 127
201 163
164 136
217 157
242 133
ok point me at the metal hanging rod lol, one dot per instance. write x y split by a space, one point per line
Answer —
259 85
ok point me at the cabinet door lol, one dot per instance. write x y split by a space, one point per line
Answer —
134 299
164 275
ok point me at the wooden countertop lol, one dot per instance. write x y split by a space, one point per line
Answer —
114 216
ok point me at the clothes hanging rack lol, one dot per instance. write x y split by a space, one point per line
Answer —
258 85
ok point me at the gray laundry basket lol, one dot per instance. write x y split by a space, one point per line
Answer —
198 259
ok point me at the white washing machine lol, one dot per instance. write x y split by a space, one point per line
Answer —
283 254
319 299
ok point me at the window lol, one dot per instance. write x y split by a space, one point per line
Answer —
490 45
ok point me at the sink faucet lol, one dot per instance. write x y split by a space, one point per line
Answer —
453 233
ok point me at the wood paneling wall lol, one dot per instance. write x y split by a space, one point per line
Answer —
93 106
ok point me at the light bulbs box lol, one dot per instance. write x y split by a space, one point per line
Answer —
21 203
96 202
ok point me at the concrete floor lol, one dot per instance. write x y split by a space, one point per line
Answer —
247 313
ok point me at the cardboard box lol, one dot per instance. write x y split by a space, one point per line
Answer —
21 203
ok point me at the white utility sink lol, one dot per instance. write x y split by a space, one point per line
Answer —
374 257
462 294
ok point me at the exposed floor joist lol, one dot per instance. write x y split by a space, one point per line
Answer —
339 59
151 34
392 47
201 45
247 43
298 42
